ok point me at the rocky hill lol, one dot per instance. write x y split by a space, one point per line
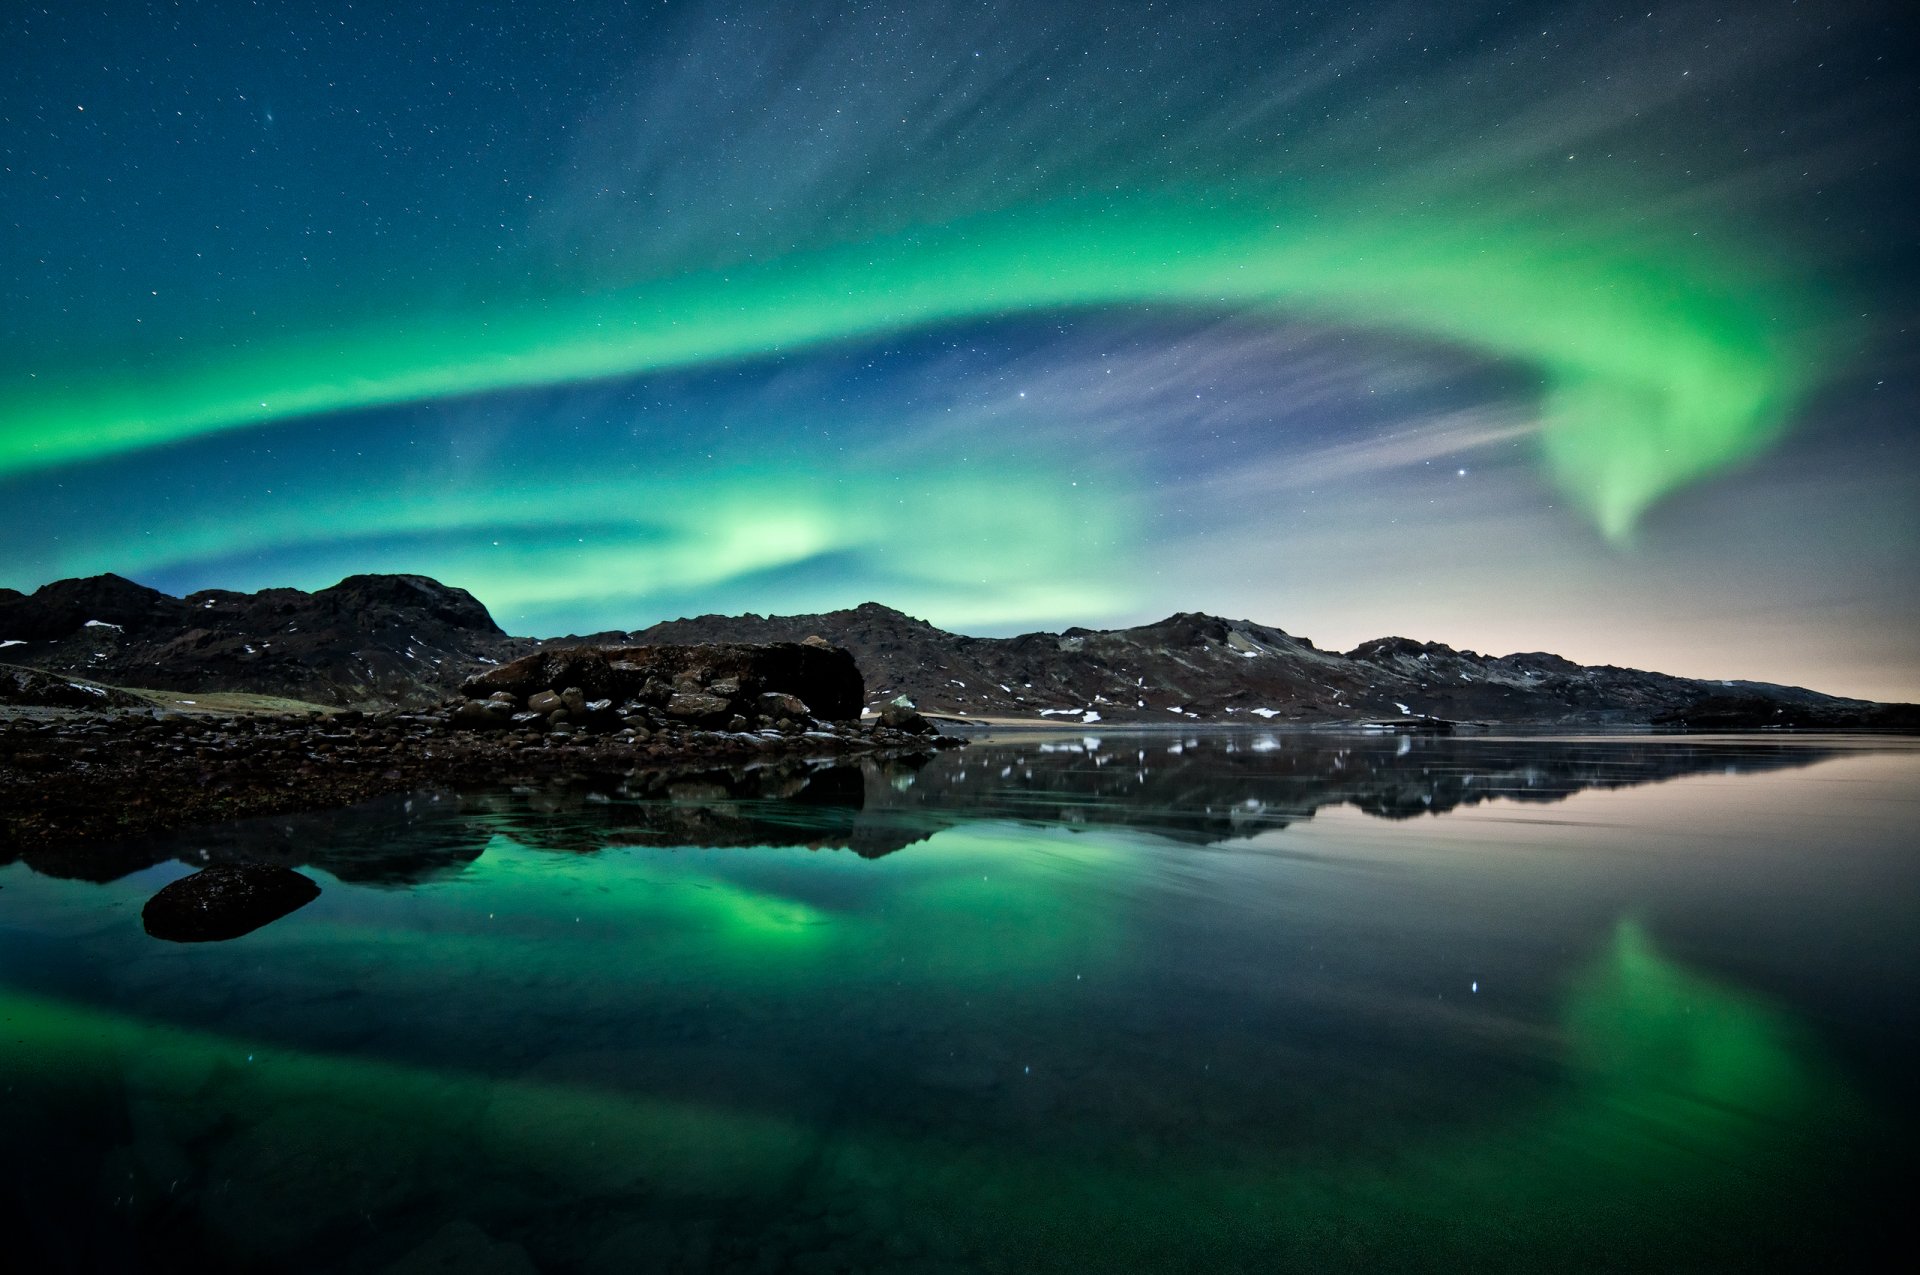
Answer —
409 640
1192 667
371 639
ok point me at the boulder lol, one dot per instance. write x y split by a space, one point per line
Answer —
699 708
896 716
544 702
773 705
824 679
225 901
483 714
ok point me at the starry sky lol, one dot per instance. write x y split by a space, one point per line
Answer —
1569 326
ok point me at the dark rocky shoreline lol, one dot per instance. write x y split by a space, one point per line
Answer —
70 779
633 717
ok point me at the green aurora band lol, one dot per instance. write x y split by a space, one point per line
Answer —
1662 360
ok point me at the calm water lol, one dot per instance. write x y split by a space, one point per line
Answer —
1226 1003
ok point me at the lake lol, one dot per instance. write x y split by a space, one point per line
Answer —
1053 1002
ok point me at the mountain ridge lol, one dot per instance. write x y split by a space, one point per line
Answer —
410 640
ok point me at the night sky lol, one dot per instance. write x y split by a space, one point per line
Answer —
1577 327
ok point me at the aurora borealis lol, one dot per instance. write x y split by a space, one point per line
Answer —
1546 328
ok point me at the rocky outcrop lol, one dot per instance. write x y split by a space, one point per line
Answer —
33 688
225 902
731 686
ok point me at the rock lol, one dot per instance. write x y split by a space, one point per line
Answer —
774 705
26 686
224 902
826 680
574 699
544 702
483 714
699 708
896 717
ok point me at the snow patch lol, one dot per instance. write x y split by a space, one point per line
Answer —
1090 716
12 642
100 624
1268 713
91 690
1404 710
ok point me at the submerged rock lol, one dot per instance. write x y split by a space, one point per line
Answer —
225 902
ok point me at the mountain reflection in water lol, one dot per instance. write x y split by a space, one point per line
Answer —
1201 788
1145 1002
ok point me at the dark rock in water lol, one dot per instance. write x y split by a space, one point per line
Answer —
225 902
1411 725
736 674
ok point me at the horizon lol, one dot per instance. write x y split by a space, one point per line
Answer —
1346 649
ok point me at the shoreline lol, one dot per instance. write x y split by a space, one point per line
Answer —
89 778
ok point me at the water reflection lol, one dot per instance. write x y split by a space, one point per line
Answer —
1046 1035
1203 789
